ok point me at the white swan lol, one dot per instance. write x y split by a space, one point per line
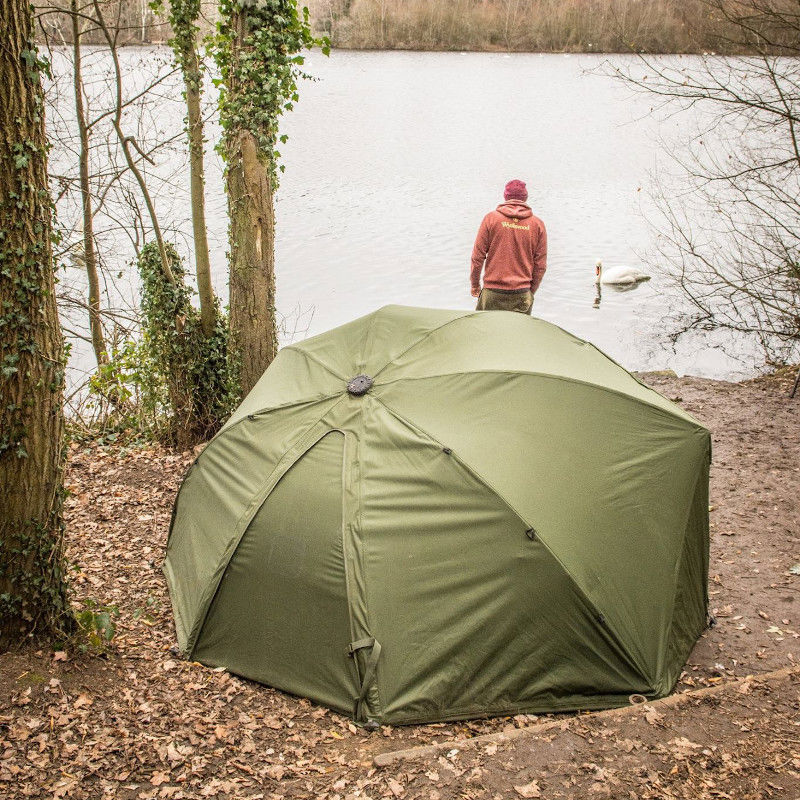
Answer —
619 276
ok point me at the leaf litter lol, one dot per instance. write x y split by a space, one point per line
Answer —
136 721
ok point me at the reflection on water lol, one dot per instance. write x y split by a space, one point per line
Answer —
624 287
394 158
619 288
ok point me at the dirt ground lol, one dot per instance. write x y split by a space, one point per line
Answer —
138 722
738 740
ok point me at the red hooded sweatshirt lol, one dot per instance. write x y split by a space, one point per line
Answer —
513 243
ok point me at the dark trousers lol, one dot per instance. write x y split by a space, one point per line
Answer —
494 300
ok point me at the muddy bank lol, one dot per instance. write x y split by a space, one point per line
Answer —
755 521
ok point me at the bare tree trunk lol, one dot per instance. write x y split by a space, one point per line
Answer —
127 141
254 336
32 589
192 79
89 252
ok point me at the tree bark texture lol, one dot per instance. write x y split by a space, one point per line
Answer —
254 335
192 81
32 590
253 339
89 252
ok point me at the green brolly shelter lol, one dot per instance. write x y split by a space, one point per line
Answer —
429 515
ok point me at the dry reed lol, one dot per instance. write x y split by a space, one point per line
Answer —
654 26
572 26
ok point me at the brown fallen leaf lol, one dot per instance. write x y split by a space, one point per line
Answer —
652 717
529 790
275 771
173 754
158 778
83 700
221 732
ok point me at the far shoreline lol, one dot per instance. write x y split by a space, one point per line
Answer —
503 51
457 50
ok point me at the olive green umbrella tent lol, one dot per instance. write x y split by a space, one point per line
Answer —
429 515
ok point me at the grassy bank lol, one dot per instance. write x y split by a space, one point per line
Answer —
656 26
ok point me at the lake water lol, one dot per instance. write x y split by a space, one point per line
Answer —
394 158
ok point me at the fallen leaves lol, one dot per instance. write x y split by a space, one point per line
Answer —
682 748
395 788
158 778
143 724
83 701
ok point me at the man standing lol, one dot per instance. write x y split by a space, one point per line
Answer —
511 250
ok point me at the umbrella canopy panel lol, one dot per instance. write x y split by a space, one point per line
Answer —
432 514
284 594
476 614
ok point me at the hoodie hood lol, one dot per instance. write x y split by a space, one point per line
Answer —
515 209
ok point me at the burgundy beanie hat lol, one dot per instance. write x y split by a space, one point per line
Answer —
516 190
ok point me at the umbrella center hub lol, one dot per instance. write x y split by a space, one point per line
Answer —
359 385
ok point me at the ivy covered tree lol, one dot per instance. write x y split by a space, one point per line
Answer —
33 598
190 366
258 52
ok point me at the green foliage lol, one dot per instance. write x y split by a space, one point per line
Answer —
132 385
173 383
27 563
257 51
128 376
96 622
145 614
189 370
183 16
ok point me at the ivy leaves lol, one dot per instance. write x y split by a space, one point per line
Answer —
257 51
190 371
183 16
34 63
